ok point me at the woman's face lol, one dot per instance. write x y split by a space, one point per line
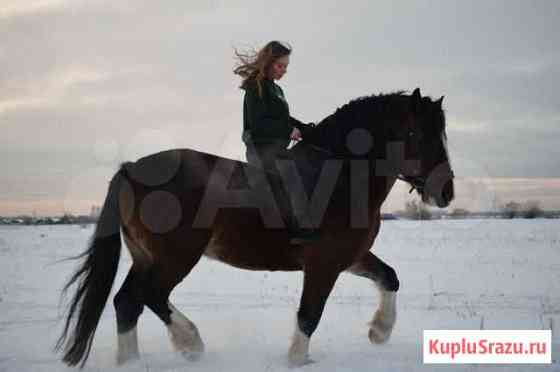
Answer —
279 67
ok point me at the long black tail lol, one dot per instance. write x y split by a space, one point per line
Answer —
94 279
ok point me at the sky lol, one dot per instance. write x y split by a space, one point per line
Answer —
85 85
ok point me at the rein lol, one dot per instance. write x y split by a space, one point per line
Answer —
415 182
314 147
320 149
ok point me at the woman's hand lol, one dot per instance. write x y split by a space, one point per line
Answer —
296 134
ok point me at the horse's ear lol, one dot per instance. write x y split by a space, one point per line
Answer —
439 102
416 99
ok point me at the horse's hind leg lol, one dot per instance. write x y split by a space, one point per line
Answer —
183 333
385 278
128 304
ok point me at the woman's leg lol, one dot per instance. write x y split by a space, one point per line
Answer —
262 156
298 182
275 158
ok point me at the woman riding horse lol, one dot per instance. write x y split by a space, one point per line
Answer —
268 126
157 202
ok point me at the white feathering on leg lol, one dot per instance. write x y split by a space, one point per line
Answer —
127 346
184 335
298 354
385 317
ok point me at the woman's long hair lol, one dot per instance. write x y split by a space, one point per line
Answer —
254 65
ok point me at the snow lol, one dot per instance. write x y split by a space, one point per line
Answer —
470 274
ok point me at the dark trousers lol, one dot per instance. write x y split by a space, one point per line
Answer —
275 158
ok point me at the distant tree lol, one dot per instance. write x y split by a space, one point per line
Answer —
423 212
416 210
389 216
459 213
95 211
27 220
410 209
532 209
511 209
66 219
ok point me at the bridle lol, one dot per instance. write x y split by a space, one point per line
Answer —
416 182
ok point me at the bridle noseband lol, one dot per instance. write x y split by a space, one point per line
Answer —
418 182
415 182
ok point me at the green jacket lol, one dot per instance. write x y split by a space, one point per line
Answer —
267 119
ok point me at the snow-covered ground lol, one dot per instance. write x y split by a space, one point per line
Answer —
494 274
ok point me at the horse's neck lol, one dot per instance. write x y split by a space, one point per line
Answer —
380 187
331 134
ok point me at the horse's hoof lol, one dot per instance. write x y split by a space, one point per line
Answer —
300 362
378 334
129 359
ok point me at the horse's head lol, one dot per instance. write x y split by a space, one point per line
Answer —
414 136
426 163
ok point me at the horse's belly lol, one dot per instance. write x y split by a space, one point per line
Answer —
244 255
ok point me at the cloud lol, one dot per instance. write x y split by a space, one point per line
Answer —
14 8
76 72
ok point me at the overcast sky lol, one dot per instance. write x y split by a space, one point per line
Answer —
87 84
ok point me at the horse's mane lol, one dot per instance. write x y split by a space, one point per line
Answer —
375 111
364 104
352 114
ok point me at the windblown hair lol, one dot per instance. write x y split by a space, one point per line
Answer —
253 65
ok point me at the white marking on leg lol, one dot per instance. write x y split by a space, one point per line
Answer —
298 354
384 319
127 346
184 335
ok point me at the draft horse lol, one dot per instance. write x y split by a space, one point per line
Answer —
175 206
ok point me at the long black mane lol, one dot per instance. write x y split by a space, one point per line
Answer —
374 113
371 111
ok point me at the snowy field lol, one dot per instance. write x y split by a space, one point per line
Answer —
472 274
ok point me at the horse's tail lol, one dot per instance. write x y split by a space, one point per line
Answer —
94 279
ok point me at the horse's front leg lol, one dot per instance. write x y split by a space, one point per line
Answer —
317 285
385 278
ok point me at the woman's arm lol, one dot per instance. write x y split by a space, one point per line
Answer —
261 121
305 129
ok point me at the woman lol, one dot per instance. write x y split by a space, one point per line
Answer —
267 124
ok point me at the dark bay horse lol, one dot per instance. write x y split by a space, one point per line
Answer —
177 205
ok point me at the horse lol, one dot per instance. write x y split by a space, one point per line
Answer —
175 206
